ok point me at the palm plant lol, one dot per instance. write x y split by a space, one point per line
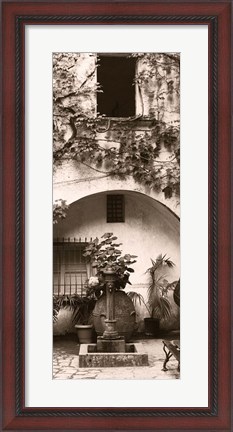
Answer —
158 304
57 303
81 307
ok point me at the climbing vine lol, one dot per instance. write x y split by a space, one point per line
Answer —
145 147
59 210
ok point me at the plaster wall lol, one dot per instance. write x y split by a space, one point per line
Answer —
73 181
149 229
149 104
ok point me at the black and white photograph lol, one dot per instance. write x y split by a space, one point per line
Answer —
116 215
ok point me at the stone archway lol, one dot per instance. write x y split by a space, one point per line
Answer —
150 227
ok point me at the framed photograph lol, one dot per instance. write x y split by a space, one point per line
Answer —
116 215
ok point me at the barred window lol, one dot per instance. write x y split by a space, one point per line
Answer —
115 208
69 268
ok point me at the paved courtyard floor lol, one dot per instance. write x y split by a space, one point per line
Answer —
66 363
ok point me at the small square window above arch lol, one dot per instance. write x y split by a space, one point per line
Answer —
115 208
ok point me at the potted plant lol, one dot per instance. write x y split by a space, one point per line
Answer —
81 308
176 294
158 304
104 254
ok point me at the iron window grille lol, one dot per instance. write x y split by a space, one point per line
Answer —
70 271
115 208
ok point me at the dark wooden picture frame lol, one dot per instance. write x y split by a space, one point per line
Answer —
217 15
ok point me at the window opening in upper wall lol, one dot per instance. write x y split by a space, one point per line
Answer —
116 76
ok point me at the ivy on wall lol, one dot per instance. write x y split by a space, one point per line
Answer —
59 210
145 146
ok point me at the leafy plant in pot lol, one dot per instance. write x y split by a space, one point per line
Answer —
81 308
105 255
158 304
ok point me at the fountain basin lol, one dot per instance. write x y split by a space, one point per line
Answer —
133 356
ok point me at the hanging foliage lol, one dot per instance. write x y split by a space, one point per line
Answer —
145 147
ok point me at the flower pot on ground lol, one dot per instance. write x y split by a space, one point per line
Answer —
152 327
81 311
176 294
159 299
83 316
85 333
149 326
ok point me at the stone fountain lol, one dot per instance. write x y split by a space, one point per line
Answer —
111 350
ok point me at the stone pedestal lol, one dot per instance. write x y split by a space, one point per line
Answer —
110 345
110 332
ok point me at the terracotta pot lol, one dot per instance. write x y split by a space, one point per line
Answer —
176 294
151 326
85 333
124 313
